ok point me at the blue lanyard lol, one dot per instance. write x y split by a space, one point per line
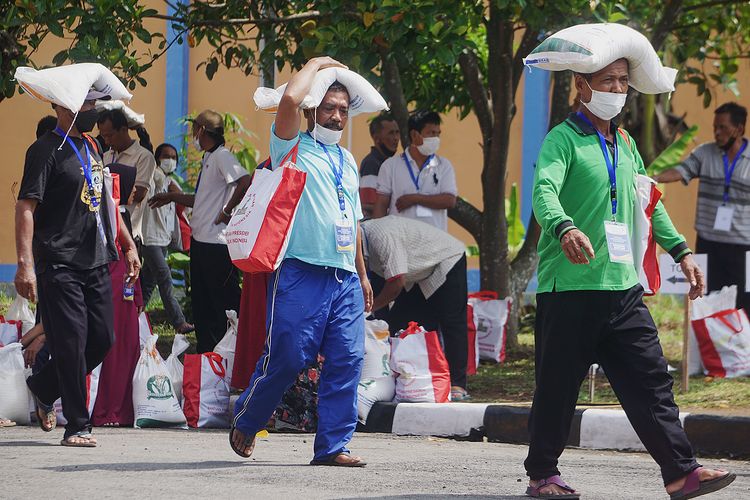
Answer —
415 178
86 166
338 174
728 171
611 164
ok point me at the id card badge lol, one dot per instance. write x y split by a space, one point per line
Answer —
723 220
618 242
423 211
344 236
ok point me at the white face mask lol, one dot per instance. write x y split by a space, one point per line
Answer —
326 135
168 165
197 143
429 146
605 105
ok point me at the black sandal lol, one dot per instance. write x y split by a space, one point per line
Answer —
247 444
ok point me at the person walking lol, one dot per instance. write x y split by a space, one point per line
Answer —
722 216
589 301
159 230
320 291
64 243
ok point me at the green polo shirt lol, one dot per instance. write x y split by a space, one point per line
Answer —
571 189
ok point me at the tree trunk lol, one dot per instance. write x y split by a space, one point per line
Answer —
395 93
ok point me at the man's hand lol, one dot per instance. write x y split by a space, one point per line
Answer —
160 199
134 265
366 292
29 354
25 282
222 218
407 201
577 247
694 276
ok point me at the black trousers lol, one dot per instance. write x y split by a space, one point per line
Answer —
444 310
615 329
215 289
77 314
726 266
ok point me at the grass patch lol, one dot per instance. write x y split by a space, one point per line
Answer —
513 380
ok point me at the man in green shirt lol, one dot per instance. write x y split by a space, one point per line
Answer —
589 302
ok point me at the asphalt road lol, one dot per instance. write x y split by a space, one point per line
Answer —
199 464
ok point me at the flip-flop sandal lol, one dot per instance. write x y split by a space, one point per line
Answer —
4 422
534 491
247 444
45 413
332 462
459 394
694 487
83 444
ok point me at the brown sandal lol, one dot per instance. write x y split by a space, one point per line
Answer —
86 440
248 444
45 413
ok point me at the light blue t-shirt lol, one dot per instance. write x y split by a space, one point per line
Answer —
313 238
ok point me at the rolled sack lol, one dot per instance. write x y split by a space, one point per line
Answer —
69 85
134 119
363 98
587 48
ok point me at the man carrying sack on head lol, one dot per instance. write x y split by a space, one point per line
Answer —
319 293
589 301
64 242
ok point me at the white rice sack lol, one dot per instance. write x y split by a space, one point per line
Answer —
14 395
134 119
587 48
69 85
363 98
154 401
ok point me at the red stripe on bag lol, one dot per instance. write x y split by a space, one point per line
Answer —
278 220
503 339
484 295
471 334
650 259
191 389
709 354
441 375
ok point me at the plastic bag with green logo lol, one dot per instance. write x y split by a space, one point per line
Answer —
154 399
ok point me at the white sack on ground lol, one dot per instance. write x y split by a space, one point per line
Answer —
14 395
19 310
154 400
377 382
69 85
703 307
587 48
363 98
228 344
180 344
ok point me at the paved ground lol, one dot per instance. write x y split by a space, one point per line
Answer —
190 464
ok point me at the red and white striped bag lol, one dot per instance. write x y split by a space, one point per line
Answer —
205 391
471 333
258 233
92 391
423 375
724 343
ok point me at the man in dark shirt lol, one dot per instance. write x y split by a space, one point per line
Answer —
385 135
64 243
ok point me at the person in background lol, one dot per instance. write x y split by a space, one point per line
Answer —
320 291
159 229
424 269
418 183
46 124
385 137
222 183
64 242
722 216
113 126
114 402
589 301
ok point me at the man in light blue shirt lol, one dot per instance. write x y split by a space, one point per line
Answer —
320 291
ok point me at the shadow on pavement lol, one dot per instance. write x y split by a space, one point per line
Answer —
148 466
27 443
448 495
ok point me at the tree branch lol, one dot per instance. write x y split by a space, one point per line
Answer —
672 10
468 217
302 16
478 93
711 4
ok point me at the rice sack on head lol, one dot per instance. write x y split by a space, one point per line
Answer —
71 85
587 48
363 98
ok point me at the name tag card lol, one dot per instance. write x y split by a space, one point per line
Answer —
724 216
618 242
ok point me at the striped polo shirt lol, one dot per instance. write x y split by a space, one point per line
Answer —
706 162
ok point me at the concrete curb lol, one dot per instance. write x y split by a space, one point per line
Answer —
592 428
